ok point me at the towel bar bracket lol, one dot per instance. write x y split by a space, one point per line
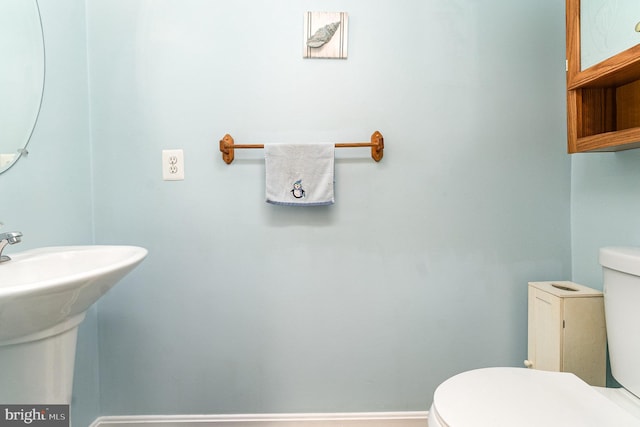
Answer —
377 146
227 146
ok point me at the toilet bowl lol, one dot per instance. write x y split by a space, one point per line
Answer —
520 397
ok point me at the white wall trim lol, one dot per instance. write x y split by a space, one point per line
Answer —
356 419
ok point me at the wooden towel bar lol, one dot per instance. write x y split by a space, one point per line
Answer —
227 146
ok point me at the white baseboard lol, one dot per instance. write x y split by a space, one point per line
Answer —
368 419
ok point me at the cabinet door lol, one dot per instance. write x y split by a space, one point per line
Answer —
545 330
584 339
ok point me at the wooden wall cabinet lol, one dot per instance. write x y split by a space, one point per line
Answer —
603 101
567 330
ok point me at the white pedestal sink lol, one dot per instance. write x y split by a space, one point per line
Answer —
44 295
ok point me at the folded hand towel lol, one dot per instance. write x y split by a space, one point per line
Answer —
299 174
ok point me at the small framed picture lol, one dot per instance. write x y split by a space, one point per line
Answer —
325 35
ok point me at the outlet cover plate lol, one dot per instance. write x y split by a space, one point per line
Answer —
172 165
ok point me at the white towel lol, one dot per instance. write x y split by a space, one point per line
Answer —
299 174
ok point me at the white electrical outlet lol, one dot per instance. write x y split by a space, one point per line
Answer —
172 165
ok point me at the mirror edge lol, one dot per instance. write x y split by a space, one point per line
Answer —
23 150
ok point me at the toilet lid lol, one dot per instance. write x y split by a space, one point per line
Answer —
523 397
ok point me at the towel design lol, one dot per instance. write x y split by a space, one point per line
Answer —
297 191
299 174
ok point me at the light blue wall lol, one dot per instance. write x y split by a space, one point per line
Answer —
418 271
605 203
47 195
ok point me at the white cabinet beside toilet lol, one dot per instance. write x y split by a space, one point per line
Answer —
567 330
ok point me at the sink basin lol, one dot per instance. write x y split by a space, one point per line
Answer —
44 295
45 288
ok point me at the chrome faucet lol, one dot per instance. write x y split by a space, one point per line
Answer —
9 238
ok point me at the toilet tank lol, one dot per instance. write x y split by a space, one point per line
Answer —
621 273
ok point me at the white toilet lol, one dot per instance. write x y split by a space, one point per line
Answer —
520 397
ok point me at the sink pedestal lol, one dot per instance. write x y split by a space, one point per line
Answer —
38 368
44 295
